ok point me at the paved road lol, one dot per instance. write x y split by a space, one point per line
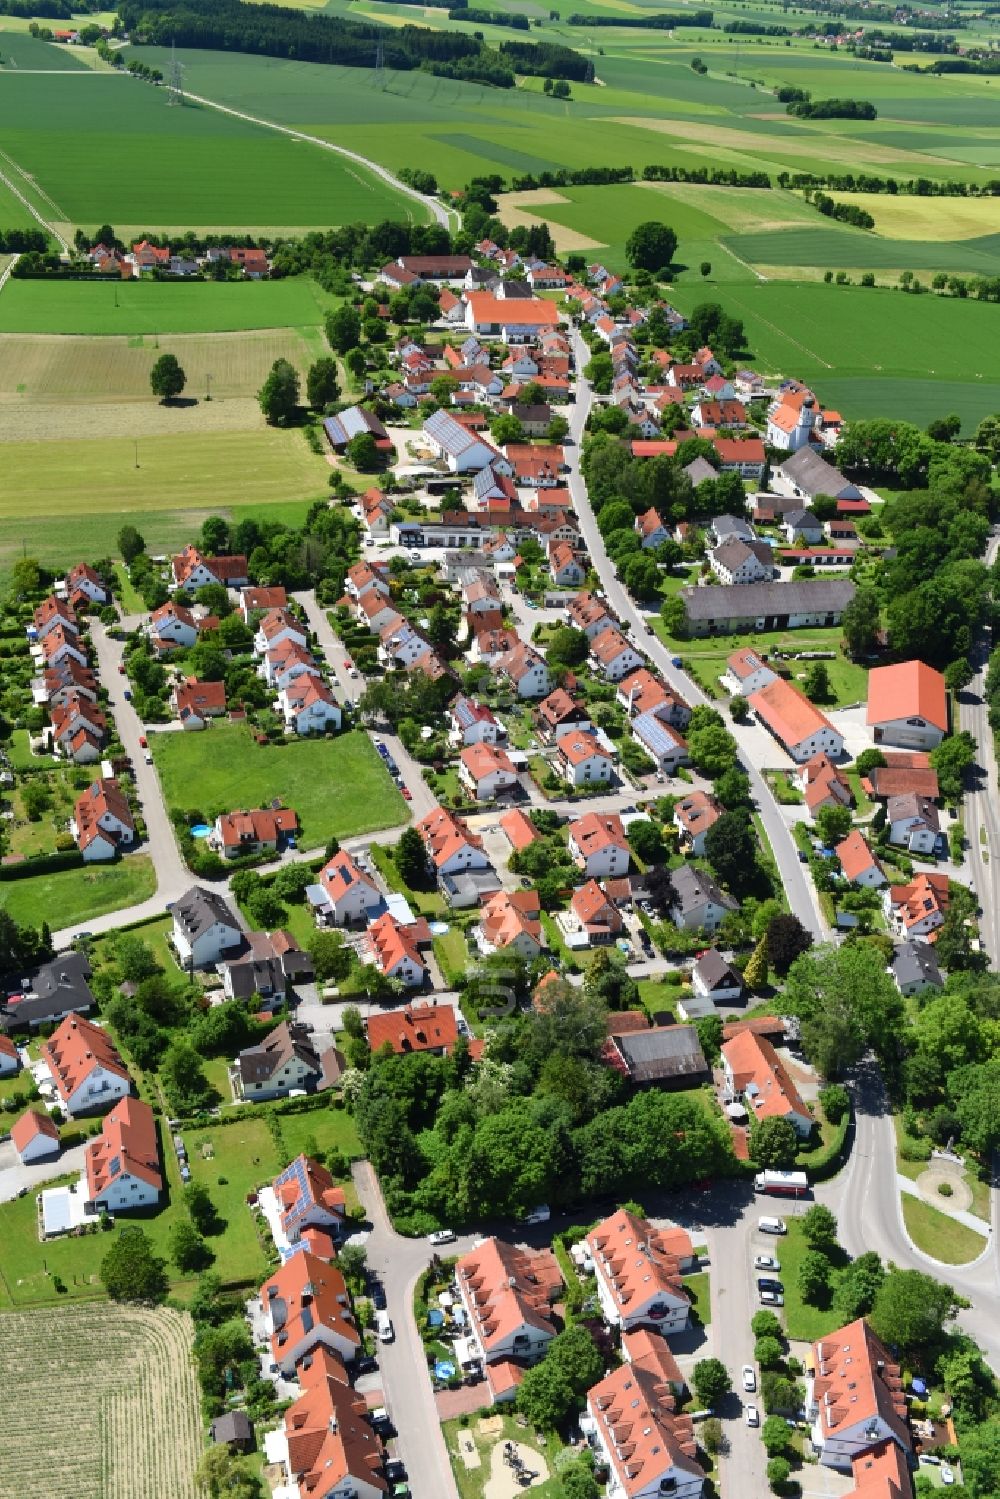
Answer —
981 809
866 1200
403 1363
798 887
172 876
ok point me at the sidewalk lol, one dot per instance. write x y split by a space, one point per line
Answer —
968 1220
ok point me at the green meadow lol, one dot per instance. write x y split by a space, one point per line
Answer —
139 307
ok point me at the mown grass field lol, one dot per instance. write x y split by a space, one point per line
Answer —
70 896
200 471
339 787
37 369
105 146
146 307
107 1402
939 1235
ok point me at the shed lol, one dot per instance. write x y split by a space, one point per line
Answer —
233 1430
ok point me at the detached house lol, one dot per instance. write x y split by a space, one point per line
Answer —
919 908
196 702
122 1164
308 706
715 980
581 760
205 928
85 582
653 732
35 1137
473 723
424 1027
526 670
588 614
285 1061
599 918
823 784
451 847
310 1204
857 862
394 951
915 969
102 822
698 903
277 626
558 715
913 823
755 1073
652 531
462 450
736 562
306 1309
486 771
612 657
172 627
236 834
192 570
325 1447
598 845
565 570
511 920
85 1065
347 894
694 814
638 1272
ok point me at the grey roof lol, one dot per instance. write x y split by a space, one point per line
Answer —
910 804
259 1063
732 525
536 413
352 423
479 883
510 288
815 596
913 962
699 469
252 976
692 887
802 518
715 972
234 1426
57 986
198 910
658 735
809 472
734 551
662 1053
453 437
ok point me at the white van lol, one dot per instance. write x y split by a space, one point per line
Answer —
384 1328
771 1225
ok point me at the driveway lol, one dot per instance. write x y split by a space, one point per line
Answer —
14 1177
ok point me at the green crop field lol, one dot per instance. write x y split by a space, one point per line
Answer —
337 786
19 50
137 307
104 146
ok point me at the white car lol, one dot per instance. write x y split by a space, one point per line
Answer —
947 1475
751 1415
766 1262
442 1236
749 1379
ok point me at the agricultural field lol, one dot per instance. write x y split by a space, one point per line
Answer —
70 896
125 1424
134 308
337 786
36 370
104 146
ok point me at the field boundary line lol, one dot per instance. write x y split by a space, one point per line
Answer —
32 209
444 216
752 312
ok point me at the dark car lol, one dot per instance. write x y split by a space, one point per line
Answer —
378 1296
765 1283
365 1364
395 1470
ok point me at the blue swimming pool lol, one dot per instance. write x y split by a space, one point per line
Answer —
200 830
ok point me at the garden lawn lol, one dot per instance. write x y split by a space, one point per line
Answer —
231 1160
429 903
331 1128
472 1483
698 1288
939 1235
339 787
802 1321
708 656
657 996
70 896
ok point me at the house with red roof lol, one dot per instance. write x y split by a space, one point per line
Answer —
638 1271
236 834
349 893
192 570
308 705
122 1163
857 862
694 814
486 771
754 1072
62 642
78 729
647 1448
511 921
393 949
795 722
598 918
325 1447
907 705
560 714
919 908
854 1396
452 847
54 611
508 1292
195 703
172 627
258 600
307 1308
823 784
581 760
611 655
419 1027
102 821
10 1061
309 1205
564 567
519 829
598 845
35 1137
88 1073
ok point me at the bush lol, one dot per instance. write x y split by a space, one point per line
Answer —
835 1101
778 1470
945 1189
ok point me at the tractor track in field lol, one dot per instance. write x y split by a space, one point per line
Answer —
35 214
441 214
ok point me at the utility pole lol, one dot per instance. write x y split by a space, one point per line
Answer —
175 79
208 381
380 65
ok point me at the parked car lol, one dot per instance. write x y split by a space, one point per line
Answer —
394 1469
749 1378
803 857
947 1475
442 1236
142 741
771 1298
377 1291
149 758
765 1262
121 668
751 1415
765 1283
540 1214
384 1328
407 793
128 696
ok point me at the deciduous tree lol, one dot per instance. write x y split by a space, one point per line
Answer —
166 378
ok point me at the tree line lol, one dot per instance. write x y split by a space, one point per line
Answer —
919 187
661 21
235 26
